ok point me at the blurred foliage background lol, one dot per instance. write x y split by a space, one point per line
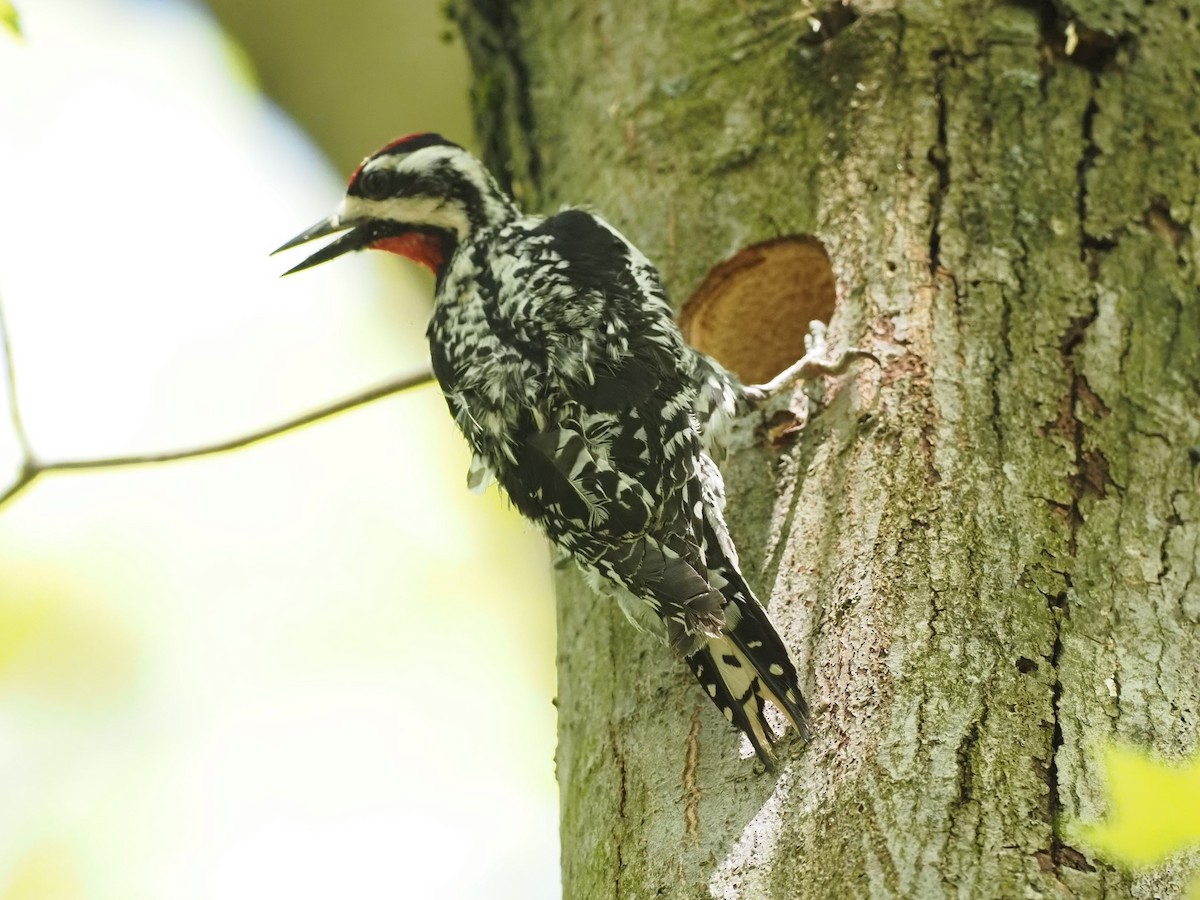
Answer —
315 667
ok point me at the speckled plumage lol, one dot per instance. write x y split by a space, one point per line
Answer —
561 363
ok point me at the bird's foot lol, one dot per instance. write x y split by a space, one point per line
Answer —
814 363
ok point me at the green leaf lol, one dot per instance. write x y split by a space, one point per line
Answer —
1153 809
9 18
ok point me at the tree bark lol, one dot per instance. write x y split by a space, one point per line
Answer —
983 552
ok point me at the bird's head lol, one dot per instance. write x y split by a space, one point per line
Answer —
420 196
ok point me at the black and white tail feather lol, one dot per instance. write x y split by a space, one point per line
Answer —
741 669
560 361
747 665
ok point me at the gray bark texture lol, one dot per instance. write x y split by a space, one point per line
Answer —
983 552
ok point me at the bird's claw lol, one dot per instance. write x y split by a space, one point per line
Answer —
814 363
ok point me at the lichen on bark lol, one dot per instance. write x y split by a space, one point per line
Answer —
985 552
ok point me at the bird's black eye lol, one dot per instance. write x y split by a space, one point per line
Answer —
376 184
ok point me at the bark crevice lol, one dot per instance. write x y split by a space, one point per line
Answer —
967 750
501 94
618 757
1059 612
1090 245
939 158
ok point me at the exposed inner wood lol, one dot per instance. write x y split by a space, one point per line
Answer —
752 311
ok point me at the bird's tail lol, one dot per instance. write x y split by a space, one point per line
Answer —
746 666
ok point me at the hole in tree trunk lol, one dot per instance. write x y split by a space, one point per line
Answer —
752 311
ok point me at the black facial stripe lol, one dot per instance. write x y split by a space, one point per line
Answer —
399 184
376 184
400 148
443 183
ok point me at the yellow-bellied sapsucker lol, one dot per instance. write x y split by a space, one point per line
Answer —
561 363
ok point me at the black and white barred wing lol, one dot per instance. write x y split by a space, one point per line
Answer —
607 460
623 482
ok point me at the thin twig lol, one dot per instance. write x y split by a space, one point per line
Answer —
32 468
378 393
10 387
28 473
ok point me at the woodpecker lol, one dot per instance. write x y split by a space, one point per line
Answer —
560 361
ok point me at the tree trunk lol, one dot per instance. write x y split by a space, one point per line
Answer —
983 552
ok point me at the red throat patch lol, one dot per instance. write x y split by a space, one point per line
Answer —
418 246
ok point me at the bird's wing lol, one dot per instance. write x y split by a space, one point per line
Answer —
608 462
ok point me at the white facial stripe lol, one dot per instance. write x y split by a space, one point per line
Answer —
426 158
435 212
457 166
431 211
418 161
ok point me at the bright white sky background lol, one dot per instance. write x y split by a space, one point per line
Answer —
318 667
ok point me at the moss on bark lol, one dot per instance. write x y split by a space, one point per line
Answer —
984 553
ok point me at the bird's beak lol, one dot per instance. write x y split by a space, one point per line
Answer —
355 238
